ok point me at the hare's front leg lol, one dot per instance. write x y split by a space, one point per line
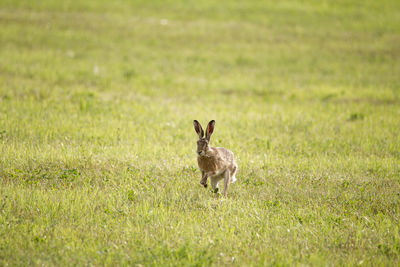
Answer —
227 181
203 180
205 176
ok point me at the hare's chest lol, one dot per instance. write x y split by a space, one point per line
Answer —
208 164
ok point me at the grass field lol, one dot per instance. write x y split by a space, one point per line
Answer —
97 146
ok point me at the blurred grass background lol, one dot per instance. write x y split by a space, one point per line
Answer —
98 164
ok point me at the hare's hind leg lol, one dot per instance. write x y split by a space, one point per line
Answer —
227 181
214 182
233 172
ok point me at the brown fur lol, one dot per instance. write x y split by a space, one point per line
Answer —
216 163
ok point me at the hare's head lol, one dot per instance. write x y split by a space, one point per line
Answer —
203 142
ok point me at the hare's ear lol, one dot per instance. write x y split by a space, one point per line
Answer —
198 129
210 129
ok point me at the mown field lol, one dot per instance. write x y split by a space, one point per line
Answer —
97 146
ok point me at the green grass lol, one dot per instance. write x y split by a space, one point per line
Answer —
97 146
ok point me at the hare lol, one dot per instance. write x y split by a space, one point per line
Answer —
216 163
